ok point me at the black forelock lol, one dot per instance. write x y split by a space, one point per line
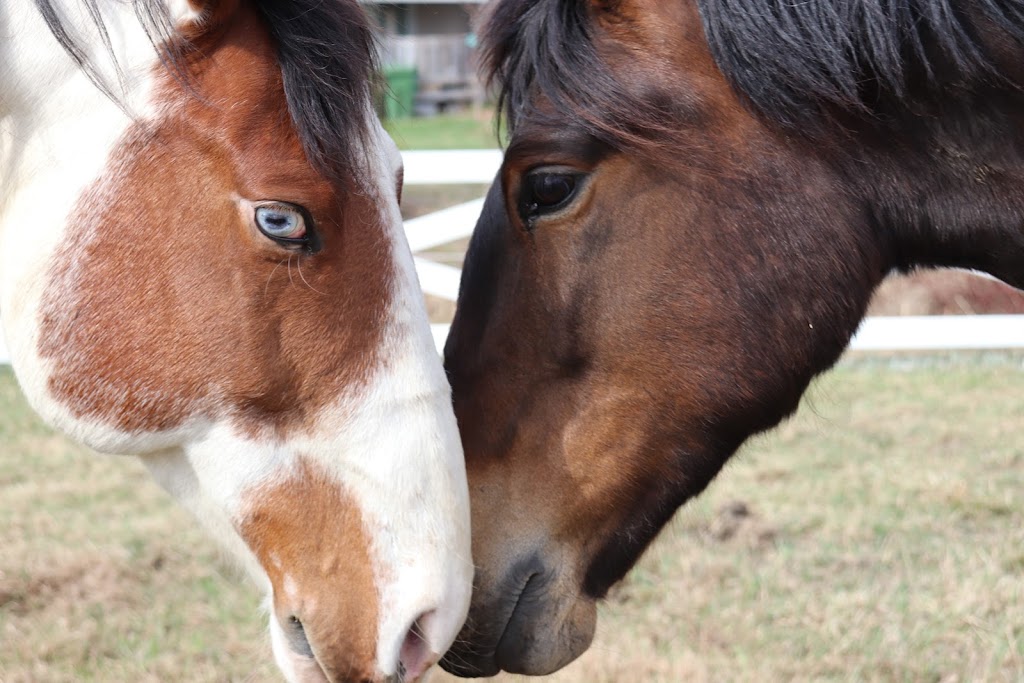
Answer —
792 60
548 47
328 57
327 53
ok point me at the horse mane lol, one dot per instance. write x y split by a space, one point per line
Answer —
791 60
327 54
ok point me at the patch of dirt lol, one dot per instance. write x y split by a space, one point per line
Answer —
945 292
440 310
76 582
735 522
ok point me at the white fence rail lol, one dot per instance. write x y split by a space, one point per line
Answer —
445 167
939 332
902 333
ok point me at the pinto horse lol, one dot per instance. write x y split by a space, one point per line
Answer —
697 200
204 265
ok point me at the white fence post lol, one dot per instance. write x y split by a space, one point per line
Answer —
451 167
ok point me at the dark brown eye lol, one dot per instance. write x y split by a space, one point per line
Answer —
546 192
550 190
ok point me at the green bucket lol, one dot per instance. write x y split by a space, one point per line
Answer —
401 92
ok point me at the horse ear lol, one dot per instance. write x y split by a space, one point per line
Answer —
183 12
200 14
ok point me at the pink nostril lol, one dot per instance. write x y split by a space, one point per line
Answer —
415 656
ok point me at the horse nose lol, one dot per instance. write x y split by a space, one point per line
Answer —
416 655
408 653
311 646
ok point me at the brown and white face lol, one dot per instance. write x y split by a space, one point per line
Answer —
252 327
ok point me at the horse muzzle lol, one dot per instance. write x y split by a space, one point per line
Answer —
536 626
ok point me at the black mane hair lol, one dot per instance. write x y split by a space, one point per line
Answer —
793 60
790 58
547 46
328 56
327 53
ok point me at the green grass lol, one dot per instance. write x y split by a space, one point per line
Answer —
883 540
467 130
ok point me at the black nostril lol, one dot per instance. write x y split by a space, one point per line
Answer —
295 632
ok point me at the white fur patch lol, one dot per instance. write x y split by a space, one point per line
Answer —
184 12
423 541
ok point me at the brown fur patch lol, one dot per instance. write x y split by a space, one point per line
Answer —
315 529
166 305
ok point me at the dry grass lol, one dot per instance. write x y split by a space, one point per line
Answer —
945 292
879 536
102 577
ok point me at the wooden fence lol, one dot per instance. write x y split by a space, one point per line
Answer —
439 59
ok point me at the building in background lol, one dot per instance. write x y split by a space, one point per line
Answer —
436 39
424 18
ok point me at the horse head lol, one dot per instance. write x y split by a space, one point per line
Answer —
697 200
204 265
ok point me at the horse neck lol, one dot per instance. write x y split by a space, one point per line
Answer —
948 191
57 127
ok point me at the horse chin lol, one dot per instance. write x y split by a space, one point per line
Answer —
542 634
539 640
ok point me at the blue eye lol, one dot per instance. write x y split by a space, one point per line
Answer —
281 222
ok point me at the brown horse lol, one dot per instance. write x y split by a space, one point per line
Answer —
697 201
203 264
